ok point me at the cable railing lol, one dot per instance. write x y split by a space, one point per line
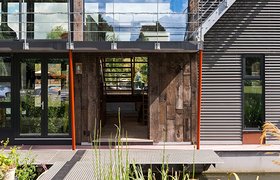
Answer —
200 11
95 26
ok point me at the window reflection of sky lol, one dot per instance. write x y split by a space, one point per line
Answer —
130 15
43 23
135 13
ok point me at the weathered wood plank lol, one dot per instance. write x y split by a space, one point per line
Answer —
91 88
84 92
194 78
162 99
187 99
170 131
78 18
175 120
78 105
179 126
154 99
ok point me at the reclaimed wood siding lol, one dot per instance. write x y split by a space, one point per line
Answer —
172 97
248 27
87 97
78 19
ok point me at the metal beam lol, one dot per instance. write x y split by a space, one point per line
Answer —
213 18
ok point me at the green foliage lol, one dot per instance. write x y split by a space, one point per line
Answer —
30 121
25 169
119 167
253 110
253 104
7 161
56 33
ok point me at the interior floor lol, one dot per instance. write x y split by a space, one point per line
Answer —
131 124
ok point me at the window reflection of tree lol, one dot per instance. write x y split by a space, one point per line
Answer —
96 31
5 31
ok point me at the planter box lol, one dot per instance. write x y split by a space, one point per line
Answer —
10 174
251 137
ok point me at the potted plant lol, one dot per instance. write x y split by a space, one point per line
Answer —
8 162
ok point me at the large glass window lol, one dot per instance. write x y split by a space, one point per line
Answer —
253 91
5 117
5 92
46 19
50 20
37 19
58 97
10 25
30 98
138 20
5 66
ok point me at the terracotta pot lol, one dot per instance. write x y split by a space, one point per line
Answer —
10 174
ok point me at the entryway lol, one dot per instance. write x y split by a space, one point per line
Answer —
125 98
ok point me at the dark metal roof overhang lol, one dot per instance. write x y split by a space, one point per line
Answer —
8 46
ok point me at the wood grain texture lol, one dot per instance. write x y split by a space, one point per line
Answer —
173 107
87 96
78 18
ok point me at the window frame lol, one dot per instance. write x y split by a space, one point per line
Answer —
8 79
249 77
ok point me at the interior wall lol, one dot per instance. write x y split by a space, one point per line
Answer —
87 96
173 97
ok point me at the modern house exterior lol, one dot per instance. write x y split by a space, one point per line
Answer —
142 58
127 55
240 86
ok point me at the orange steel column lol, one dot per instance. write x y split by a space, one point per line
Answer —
199 97
72 100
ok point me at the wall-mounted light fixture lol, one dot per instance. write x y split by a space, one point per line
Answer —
78 68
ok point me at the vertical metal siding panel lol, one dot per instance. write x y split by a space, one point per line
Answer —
251 26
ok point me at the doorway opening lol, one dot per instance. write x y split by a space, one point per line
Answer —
125 97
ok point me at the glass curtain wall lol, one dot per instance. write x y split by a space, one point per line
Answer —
138 20
104 20
36 19
10 24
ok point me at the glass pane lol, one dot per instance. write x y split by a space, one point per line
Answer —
58 97
5 66
5 117
141 73
5 92
253 66
9 28
45 19
253 104
50 20
163 20
30 98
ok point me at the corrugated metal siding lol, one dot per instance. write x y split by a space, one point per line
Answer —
251 26
272 89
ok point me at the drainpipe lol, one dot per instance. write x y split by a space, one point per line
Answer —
72 100
199 97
